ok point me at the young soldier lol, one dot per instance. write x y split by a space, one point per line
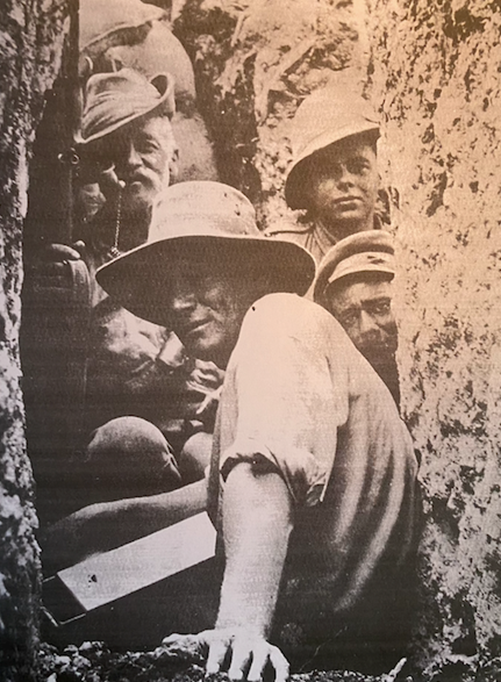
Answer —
334 175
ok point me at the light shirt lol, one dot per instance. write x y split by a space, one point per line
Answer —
299 399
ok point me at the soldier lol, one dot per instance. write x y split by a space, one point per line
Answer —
314 475
129 155
137 35
354 283
144 429
334 175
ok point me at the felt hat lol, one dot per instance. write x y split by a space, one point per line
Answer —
104 36
362 252
208 222
99 20
114 99
323 118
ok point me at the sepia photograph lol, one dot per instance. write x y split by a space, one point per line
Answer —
250 359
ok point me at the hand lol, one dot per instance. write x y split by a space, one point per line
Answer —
250 653
58 253
110 184
49 271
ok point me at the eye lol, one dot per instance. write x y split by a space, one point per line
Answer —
147 145
381 307
348 318
148 148
326 168
358 165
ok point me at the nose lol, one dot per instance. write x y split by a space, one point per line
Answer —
368 327
182 299
132 157
345 177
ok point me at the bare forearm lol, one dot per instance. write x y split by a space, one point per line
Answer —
256 529
105 525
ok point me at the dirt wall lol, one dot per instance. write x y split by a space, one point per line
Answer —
30 51
435 70
254 63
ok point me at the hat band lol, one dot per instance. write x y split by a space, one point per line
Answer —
376 261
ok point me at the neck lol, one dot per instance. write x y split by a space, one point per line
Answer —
337 230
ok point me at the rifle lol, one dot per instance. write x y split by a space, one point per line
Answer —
56 296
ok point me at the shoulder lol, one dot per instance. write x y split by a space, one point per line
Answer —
284 304
281 315
288 229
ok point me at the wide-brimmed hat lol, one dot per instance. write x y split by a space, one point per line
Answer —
363 252
99 19
323 118
202 222
114 99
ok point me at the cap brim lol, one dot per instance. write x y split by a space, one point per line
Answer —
294 181
139 280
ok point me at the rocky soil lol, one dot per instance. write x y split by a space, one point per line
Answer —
95 662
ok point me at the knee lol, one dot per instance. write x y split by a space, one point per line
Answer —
195 456
132 454
127 437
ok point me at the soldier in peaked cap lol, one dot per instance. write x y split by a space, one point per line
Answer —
313 472
334 175
354 283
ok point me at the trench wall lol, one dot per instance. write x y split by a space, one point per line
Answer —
435 73
31 38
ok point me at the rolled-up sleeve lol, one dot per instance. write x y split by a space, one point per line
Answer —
283 409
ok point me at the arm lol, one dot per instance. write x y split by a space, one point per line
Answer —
103 526
129 356
256 526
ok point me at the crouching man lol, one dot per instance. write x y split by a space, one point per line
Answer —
313 480
355 283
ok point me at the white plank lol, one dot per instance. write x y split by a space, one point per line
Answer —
106 577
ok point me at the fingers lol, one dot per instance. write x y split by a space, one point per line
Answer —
60 252
263 655
217 653
79 247
279 663
173 639
249 658
242 652
259 660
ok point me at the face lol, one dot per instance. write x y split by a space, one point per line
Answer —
206 311
342 186
143 155
364 310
